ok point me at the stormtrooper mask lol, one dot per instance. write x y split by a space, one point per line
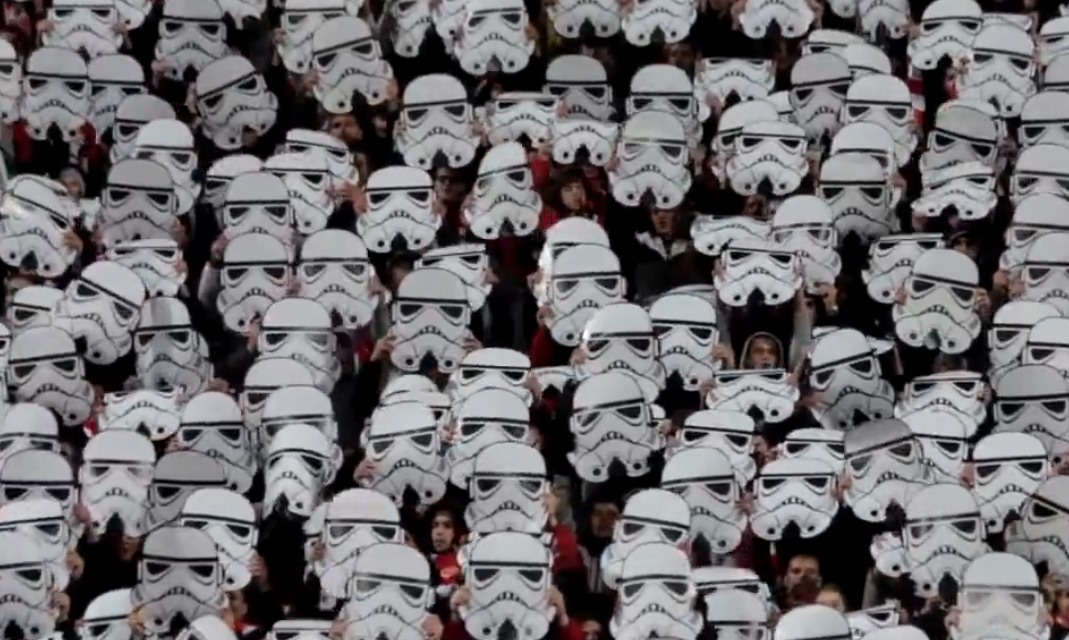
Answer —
265 376
649 516
939 311
686 329
961 134
825 445
670 18
101 306
796 491
32 220
710 235
139 202
45 368
55 92
170 143
113 78
813 621
233 99
1001 591
256 272
299 462
133 113
84 26
883 99
1009 467
158 263
833 40
494 37
1056 74
736 614
192 35
176 476
942 533
769 152
221 173
1033 217
45 522
508 486
584 279
509 577
430 319
571 17
115 478
747 78
766 393
300 19
301 329
170 352
1034 399
491 367
846 377
504 199
730 432
574 139
663 87
866 59
802 225
390 592
211 423
303 629
1001 68
32 306
793 18
27 585
339 158
296 404
1046 344
10 83
819 83
870 139
1043 118
653 158
355 520
485 417
582 85
566 233
958 392
230 521
1051 39
179 574
885 465
347 58
470 262
865 621
942 437
891 259
515 114
402 440
620 337
37 474
1040 535
704 477
309 181
1037 171
436 118
154 414
107 617
948 28
657 595
400 211
334 271
758 270
1009 332
27 426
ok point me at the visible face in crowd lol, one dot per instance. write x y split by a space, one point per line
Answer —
802 568
73 184
442 532
764 354
664 222
345 128
572 196
831 598
15 15
449 187
603 518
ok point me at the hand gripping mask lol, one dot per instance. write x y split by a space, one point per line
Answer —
299 462
670 18
1034 399
300 329
943 531
575 139
494 37
968 187
45 368
171 354
179 576
356 519
571 17
938 312
339 158
768 153
508 486
961 134
730 432
947 29
1037 170
26 585
230 520
885 465
1008 468
509 576
792 17
825 445
402 441
265 376
653 158
309 181
115 476
891 259
400 213
1046 344
813 622
999 595
256 273
26 425
885 100
107 617
961 393
44 521
620 337
757 270
296 404
300 19
799 492
515 114
347 59
170 143
819 83
176 476
158 263
135 112
764 393
192 35
846 378
649 515
802 225
334 271
470 262
1001 69
611 421
491 367
686 329
31 306
232 99
85 26
101 307
1040 535
746 78
430 319
10 83
37 474
582 85
584 279
657 595
436 118
32 223
866 59
942 438
153 414
504 199
485 417
55 92
211 424
1009 332
139 202
1044 118
113 78
736 614
703 476
390 592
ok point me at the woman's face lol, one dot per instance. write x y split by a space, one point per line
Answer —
442 533
572 196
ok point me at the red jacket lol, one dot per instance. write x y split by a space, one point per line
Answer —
91 153
566 556
454 630
448 567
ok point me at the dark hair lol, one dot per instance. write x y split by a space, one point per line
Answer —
557 181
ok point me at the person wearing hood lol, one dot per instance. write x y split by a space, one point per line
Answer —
762 350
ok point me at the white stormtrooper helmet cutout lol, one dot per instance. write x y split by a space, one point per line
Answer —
766 394
241 12
968 187
1034 399
948 28
885 100
113 78
870 139
491 367
891 260
813 622
26 425
436 118
44 521
296 404
942 532
486 417
654 158
308 179
101 307
301 329
962 133
819 83
507 485
31 306
649 516
1043 118
792 18
812 443
1009 332
1055 75
882 17
208 627
153 414
84 26
885 465
865 621
802 224
664 87
470 262
27 587
794 491
139 202
571 17
390 592
355 520
39 474
45 368
672 18
256 272
494 37
611 423
961 393
504 199
942 438
230 520
704 477
746 78
115 476
402 440
265 376
33 220
55 92
1008 468
1001 68
400 213
1040 534
171 354
346 57
833 40
300 629
866 59
1051 39
192 35
211 423
232 100
339 158
620 337
846 377
179 576
575 138
158 263
334 271
769 152
712 580
1037 171
133 113
510 578
1033 217
299 462
711 234
10 83
514 114
939 312
757 270
108 617
1000 594
584 279
564 234
736 614
657 595
1046 344
730 432
686 329
175 476
412 24
299 20
430 319
170 143
582 85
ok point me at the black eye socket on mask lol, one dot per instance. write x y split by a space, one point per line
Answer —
66 365
456 110
210 29
326 59
166 492
771 484
412 591
1032 467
